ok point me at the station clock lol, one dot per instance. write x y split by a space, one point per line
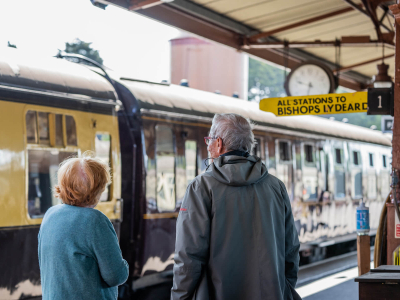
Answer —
310 78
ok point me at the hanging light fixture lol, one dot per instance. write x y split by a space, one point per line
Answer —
382 79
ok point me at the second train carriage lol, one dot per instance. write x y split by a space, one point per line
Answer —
327 167
51 109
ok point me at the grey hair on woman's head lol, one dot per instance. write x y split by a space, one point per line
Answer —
235 131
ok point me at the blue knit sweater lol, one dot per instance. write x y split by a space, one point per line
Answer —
79 255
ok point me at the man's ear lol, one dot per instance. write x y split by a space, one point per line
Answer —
220 145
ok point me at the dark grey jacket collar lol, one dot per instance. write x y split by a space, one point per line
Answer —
238 170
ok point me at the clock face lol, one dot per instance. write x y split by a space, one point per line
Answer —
309 79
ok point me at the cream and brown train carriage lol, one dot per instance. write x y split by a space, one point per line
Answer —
49 110
327 167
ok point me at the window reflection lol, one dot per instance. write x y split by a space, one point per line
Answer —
59 130
31 127
165 168
190 157
42 177
44 128
103 151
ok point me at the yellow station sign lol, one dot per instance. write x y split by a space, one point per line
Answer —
316 104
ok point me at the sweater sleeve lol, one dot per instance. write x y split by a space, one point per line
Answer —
113 268
292 244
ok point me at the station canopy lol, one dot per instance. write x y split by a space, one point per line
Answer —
351 37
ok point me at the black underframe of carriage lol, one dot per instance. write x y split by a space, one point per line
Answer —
53 99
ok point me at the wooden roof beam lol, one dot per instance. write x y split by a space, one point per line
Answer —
345 42
357 7
254 38
347 68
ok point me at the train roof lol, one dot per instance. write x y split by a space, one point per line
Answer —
20 71
178 99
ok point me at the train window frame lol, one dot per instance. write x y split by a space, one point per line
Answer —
371 157
57 136
384 161
289 150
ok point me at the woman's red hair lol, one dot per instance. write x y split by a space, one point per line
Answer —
81 180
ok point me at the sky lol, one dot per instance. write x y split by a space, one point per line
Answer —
130 44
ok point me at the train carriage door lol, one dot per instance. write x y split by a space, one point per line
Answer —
322 169
165 165
284 166
339 172
355 171
310 172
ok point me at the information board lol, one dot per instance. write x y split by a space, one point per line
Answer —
316 104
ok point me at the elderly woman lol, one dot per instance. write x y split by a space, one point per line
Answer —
79 255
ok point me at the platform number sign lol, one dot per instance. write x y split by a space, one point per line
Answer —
380 101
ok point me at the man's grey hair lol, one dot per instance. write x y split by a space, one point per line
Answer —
235 131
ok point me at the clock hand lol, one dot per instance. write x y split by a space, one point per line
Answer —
309 87
301 83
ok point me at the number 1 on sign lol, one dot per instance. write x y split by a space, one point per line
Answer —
380 101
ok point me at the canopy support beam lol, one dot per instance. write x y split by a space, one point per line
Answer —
254 38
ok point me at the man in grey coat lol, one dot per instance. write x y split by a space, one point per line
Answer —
235 234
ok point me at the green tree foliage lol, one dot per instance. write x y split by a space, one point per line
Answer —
83 48
360 119
265 81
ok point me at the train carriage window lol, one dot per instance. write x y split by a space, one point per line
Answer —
309 153
71 131
338 153
356 158
103 151
284 151
44 134
31 127
384 161
371 160
165 163
190 158
59 130
42 177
